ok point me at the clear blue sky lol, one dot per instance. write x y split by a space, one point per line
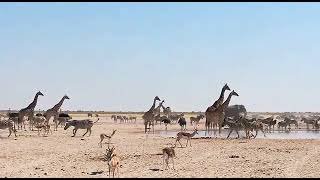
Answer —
118 56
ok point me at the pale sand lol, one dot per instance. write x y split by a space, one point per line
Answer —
60 155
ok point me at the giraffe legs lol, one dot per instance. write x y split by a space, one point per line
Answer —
55 120
55 125
9 132
30 117
20 119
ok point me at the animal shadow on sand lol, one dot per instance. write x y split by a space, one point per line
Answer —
155 169
95 172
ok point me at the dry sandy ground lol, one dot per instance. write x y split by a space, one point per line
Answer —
60 155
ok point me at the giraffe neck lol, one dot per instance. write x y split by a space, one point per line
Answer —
57 106
222 95
220 100
160 105
163 107
153 105
34 103
226 103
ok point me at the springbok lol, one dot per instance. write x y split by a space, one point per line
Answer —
185 135
102 136
113 161
167 153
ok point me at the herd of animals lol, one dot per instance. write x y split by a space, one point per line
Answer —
216 116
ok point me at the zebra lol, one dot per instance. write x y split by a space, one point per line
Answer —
196 119
14 117
8 124
80 124
233 126
131 118
62 119
120 118
38 120
114 117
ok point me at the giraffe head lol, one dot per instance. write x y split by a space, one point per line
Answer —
226 87
66 97
157 98
39 93
233 93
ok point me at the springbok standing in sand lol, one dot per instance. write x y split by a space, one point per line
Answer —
102 136
113 161
167 153
185 135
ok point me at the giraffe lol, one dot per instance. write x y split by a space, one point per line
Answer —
157 110
218 102
148 116
166 111
217 115
28 111
54 111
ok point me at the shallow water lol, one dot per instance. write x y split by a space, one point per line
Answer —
293 134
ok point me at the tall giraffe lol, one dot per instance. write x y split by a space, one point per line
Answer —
54 111
157 110
219 101
28 111
148 116
217 115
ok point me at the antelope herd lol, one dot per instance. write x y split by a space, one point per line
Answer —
217 116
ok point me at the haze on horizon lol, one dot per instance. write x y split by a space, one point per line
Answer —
118 56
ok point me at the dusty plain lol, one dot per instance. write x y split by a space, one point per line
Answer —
60 155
